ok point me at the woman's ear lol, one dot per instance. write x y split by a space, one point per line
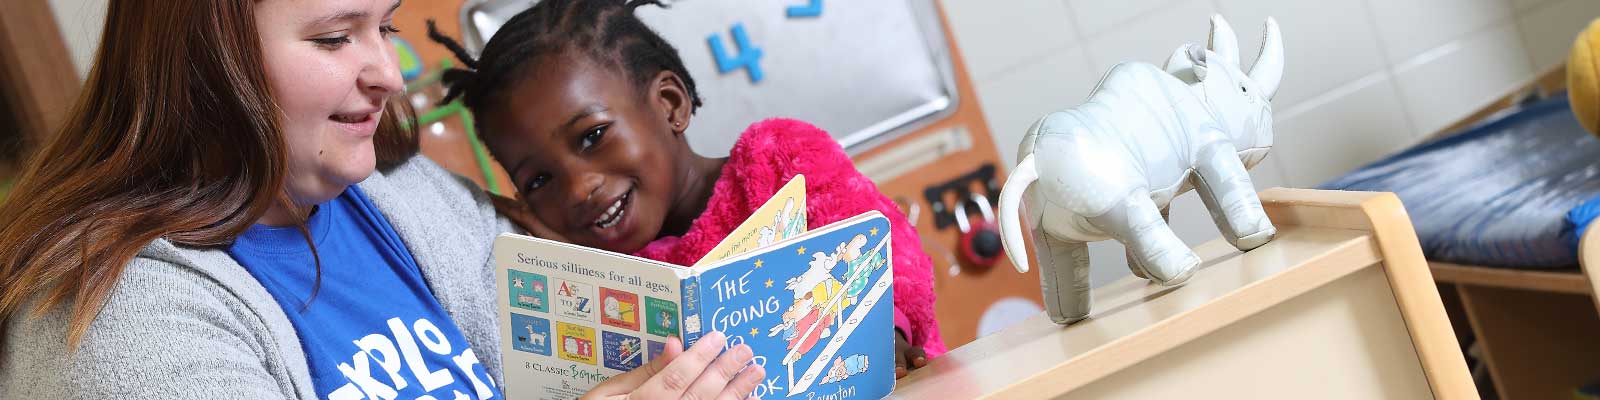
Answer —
672 100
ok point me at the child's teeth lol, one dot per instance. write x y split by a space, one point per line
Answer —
612 215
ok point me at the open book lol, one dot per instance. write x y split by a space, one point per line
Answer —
816 307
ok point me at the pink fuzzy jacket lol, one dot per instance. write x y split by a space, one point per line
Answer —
766 156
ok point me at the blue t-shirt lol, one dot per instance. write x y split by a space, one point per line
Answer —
374 329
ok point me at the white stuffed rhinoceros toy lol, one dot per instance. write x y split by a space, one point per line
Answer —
1107 169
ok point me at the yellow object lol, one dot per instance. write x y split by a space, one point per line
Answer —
1583 78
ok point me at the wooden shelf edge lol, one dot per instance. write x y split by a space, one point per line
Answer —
1409 276
1568 281
1323 236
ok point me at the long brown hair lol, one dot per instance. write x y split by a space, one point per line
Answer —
174 136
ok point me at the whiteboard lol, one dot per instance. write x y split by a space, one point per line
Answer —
865 71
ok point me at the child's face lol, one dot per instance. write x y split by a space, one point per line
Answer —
595 157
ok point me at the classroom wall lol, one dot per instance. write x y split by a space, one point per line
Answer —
1364 78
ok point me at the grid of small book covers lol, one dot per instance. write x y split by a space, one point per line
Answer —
556 317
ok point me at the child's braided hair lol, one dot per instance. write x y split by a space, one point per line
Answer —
606 31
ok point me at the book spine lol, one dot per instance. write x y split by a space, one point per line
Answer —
691 311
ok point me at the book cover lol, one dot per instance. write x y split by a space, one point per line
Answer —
783 216
816 309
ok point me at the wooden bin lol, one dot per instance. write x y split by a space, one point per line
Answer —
1340 305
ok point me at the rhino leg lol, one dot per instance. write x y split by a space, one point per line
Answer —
1224 185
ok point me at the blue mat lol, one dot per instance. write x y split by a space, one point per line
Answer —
1515 191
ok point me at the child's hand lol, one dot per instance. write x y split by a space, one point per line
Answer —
519 213
906 356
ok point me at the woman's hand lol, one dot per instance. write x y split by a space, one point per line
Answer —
698 373
906 356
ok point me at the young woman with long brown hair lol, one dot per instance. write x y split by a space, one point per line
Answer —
233 211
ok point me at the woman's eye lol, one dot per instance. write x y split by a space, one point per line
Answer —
593 137
536 182
387 30
331 43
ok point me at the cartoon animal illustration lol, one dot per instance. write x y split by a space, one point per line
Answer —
628 349
818 301
845 367
766 235
859 265
613 308
665 318
529 301
536 337
579 347
790 222
617 309
783 225
1108 169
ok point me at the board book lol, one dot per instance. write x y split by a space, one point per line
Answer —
814 306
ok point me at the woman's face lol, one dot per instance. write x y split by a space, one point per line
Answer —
330 67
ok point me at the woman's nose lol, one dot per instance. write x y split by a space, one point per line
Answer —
381 77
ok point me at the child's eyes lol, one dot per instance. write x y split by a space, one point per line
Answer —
536 182
593 137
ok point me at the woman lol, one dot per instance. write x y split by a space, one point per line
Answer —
165 244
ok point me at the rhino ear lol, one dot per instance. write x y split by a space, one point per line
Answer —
1201 66
1182 65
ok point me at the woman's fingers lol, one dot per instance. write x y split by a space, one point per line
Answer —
721 372
744 384
630 381
675 379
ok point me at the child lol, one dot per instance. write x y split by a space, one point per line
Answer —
587 109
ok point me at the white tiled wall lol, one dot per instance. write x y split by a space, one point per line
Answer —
80 22
1365 77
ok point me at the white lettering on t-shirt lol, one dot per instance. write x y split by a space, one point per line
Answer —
465 361
431 337
398 351
430 379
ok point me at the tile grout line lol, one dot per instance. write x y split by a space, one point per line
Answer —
1406 111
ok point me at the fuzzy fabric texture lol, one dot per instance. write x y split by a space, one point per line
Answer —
767 155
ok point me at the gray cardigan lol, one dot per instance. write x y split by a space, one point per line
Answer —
188 323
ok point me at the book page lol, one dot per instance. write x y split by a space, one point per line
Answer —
817 310
572 316
783 216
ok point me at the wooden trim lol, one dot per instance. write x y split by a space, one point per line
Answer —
1038 359
1409 277
1323 237
1537 345
36 73
1546 281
